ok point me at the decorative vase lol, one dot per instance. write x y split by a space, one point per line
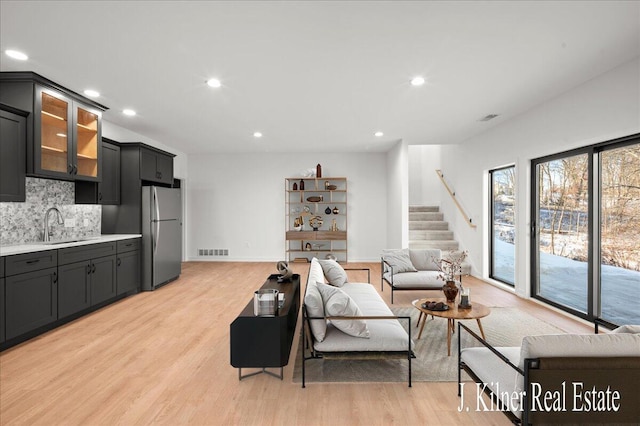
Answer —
336 210
295 186
327 210
318 171
450 290
301 185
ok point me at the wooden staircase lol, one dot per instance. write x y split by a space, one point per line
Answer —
427 229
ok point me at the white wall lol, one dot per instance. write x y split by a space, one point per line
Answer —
237 202
398 196
602 109
425 187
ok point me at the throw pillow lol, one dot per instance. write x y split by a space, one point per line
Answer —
632 329
339 303
315 308
423 259
399 260
333 272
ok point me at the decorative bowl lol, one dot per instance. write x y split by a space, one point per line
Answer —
314 199
332 187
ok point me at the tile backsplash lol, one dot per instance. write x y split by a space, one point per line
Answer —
23 222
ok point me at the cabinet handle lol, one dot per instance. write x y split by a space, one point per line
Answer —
100 196
55 277
70 169
29 262
75 169
93 268
160 175
119 262
88 269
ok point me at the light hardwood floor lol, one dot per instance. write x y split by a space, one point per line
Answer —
162 357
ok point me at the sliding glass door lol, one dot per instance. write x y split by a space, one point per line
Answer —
620 234
562 231
586 231
502 241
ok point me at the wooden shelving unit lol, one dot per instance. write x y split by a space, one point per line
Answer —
323 198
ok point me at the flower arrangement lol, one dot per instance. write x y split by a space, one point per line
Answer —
451 266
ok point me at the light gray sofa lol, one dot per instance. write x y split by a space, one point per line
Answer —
321 337
421 274
520 377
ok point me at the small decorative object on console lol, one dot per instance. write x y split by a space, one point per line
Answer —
318 171
285 272
301 185
265 302
327 210
336 210
465 302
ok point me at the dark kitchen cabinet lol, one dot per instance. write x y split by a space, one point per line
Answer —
99 261
2 333
103 279
74 291
156 166
107 191
63 128
31 301
13 141
128 266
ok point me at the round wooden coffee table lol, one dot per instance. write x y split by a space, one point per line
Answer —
476 312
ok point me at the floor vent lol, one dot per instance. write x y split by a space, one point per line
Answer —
213 252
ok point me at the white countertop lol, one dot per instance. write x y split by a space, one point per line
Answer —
54 245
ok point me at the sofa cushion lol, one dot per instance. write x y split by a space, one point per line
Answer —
333 272
315 272
315 308
425 259
339 303
399 259
420 279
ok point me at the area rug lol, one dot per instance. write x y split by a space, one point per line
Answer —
503 327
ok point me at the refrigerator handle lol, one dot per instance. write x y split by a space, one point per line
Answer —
156 223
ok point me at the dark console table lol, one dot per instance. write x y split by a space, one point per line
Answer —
265 342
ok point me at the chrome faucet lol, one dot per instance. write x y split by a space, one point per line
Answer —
46 235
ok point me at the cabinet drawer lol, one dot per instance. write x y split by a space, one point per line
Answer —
331 235
28 262
86 252
301 235
128 245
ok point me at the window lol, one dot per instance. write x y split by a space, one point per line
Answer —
502 239
585 227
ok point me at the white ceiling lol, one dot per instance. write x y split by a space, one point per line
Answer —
317 76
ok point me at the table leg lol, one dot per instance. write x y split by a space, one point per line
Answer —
449 327
480 327
419 318
424 321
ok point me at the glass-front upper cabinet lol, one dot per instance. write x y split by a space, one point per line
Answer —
55 134
69 142
87 141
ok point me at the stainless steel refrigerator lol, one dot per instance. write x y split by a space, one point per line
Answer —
161 236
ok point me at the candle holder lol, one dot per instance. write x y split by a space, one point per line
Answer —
465 301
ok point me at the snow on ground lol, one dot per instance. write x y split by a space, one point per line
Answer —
565 281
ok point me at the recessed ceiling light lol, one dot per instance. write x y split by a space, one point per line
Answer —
257 135
417 81
378 134
92 93
129 112
214 82
16 55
